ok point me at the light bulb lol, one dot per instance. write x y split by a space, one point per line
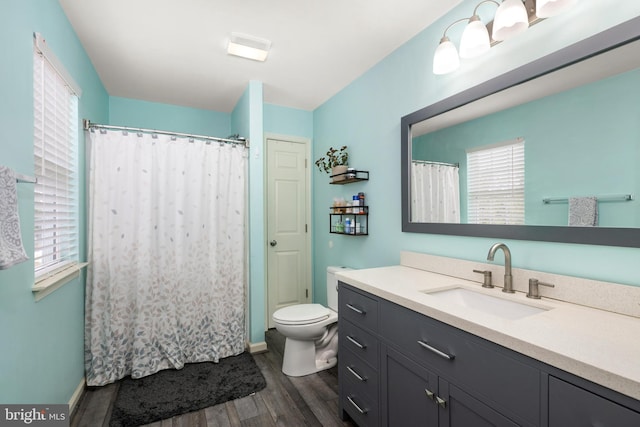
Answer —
446 59
475 39
511 19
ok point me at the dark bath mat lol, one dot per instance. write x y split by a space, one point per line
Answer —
173 392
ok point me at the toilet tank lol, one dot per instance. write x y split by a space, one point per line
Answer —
332 286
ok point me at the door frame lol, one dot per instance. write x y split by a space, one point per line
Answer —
307 201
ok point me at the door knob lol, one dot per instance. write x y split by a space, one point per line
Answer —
273 242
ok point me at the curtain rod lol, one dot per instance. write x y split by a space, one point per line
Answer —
429 162
240 140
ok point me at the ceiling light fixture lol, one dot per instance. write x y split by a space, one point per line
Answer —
512 18
249 47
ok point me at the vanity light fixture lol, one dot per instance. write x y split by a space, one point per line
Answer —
549 8
249 47
512 18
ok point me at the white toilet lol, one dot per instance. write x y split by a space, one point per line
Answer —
311 331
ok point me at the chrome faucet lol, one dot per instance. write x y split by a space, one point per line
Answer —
508 278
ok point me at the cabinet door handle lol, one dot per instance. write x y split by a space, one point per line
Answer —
355 374
435 350
431 395
441 402
356 309
362 411
356 343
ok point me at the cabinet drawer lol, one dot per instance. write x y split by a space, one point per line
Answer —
361 407
490 372
363 344
354 368
573 406
358 308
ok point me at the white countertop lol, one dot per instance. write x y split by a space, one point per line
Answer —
598 345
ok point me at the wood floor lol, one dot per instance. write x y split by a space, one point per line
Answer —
286 401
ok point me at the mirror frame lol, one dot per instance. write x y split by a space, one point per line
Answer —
627 237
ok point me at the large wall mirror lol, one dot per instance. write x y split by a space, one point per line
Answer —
549 151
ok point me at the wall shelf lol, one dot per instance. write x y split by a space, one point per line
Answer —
338 216
349 177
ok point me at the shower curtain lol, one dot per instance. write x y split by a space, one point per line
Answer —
166 278
435 193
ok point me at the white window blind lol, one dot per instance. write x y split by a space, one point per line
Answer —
56 167
495 182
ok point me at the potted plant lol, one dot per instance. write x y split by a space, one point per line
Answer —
334 162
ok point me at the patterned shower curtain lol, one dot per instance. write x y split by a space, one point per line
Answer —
435 193
166 279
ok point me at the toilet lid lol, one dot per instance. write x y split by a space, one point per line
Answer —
301 314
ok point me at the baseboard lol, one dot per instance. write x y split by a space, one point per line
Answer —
257 347
77 395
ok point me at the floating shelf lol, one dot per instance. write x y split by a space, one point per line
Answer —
350 176
338 214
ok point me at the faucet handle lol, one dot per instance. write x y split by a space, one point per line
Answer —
534 291
487 278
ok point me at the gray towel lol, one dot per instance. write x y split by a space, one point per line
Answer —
11 249
583 211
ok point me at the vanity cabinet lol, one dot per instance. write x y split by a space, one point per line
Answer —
358 357
415 370
572 406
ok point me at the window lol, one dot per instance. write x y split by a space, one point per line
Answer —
56 165
495 181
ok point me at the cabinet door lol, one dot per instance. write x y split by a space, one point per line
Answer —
462 410
409 392
571 406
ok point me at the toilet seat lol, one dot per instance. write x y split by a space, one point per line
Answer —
301 314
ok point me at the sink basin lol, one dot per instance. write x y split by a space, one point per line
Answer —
496 306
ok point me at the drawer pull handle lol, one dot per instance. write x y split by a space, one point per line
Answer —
441 402
431 395
356 309
357 375
362 411
356 343
435 350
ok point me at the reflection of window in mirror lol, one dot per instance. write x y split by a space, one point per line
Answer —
495 183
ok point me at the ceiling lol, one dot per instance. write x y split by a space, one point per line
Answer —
174 51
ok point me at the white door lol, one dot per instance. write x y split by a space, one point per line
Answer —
288 263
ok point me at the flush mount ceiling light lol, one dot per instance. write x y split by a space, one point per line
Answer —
512 18
249 47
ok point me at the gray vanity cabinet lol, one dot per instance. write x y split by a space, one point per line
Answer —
359 353
400 368
572 406
470 383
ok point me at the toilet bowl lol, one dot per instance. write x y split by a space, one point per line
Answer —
311 332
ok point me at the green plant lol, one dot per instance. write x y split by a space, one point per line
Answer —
334 157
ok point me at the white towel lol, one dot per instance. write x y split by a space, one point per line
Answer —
583 212
11 249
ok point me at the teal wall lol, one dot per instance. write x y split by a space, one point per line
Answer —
41 356
174 118
288 121
366 117
247 119
577 143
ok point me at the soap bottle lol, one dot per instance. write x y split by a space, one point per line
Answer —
347 226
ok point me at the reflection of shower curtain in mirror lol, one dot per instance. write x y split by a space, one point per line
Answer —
435 193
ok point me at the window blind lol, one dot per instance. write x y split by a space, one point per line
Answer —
56 169
495 184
